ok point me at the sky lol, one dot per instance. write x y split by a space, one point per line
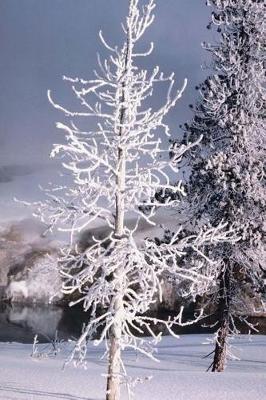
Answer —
42 40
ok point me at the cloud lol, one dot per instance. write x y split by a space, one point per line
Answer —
9 173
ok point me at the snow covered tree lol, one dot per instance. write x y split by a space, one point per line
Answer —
227 182
118 164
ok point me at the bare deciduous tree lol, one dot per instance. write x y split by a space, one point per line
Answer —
118 165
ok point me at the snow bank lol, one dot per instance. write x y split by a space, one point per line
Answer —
28 266
180 375
42 284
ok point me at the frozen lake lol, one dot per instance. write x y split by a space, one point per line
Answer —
20 323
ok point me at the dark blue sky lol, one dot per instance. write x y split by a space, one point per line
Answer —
41 40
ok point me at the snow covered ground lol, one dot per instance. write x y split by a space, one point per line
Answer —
180 375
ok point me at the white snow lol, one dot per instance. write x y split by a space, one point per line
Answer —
180 375
42 283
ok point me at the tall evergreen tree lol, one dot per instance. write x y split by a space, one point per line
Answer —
227 181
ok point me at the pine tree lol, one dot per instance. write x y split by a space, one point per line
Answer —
227 181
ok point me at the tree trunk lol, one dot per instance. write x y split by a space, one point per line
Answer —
113 379
114 366
114 362
220 352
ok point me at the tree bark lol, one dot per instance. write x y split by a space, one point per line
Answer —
114 366
220 352
114 362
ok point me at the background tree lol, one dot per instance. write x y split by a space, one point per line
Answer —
118 164
227 182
